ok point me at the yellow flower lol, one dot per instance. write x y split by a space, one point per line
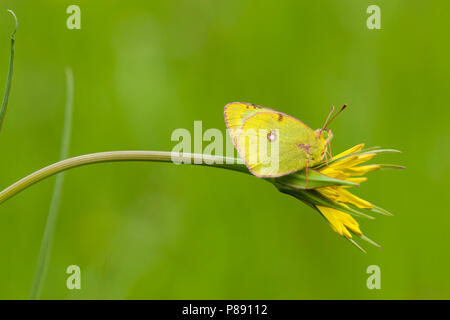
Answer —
346 166
326 188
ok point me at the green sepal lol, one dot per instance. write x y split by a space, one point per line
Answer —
297 180
356 245
381 211
390 166
314 198
366 238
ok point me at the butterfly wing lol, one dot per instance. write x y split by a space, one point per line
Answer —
274 144
235 115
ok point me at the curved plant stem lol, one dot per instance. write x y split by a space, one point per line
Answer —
10 74
47 239
156 156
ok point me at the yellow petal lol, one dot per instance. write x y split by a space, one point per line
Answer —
352 161
346 196
329 192
340 221
331 172
358 171
357 180
349 151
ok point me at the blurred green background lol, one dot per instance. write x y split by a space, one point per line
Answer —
157 231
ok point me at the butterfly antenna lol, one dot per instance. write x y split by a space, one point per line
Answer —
328 118
336 114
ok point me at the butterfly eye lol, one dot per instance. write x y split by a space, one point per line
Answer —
325 134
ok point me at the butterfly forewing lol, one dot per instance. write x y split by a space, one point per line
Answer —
235 115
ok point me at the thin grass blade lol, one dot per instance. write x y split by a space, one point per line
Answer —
45 251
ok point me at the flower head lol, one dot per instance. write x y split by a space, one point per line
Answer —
326 189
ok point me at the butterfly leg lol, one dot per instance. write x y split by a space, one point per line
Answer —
329 149
328 152
306 170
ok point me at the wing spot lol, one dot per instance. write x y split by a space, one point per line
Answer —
280 117
305 147
271 136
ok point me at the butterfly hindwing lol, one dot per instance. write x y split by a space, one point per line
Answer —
274 144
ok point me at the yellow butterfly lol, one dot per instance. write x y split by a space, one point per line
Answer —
274 144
